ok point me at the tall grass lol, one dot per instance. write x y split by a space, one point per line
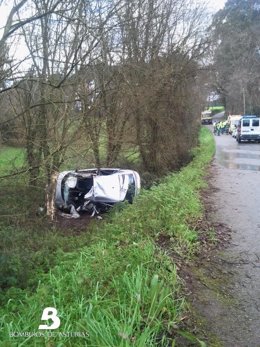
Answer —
11 159
121 288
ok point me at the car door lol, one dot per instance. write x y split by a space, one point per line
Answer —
245 126
255 127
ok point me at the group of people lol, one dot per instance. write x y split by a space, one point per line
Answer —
221 127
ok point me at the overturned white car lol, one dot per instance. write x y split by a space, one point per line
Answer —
95 190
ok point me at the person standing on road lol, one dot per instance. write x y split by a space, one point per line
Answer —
215 128
226 127
218 128
222 127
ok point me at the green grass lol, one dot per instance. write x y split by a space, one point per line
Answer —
216 109
120 287
11 159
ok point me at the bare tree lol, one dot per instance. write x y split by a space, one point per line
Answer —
121 74
162 44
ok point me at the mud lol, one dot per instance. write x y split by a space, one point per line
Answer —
226 286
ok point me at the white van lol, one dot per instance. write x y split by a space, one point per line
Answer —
248 129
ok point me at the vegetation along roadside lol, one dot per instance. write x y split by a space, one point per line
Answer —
121 288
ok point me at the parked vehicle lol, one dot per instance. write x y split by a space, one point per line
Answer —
233 121
95 190
206 117
248 129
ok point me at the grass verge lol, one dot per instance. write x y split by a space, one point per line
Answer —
120 289
12 158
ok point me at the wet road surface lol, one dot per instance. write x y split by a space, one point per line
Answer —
228 293
231 155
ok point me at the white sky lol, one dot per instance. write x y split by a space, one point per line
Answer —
213 5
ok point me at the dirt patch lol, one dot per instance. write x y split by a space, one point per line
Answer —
209 229
205 274
76 225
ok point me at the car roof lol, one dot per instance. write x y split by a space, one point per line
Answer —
249 116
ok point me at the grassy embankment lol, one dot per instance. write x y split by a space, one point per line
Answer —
216 109
121 288
10 159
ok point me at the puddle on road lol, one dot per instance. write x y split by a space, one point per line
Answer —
240 160
239 166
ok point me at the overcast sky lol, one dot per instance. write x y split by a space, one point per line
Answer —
19 50
213 5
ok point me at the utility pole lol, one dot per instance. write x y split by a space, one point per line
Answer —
244 100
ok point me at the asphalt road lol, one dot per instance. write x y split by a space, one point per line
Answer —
228 296
219 116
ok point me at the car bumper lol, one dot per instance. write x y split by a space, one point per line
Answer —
251 137
206 121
